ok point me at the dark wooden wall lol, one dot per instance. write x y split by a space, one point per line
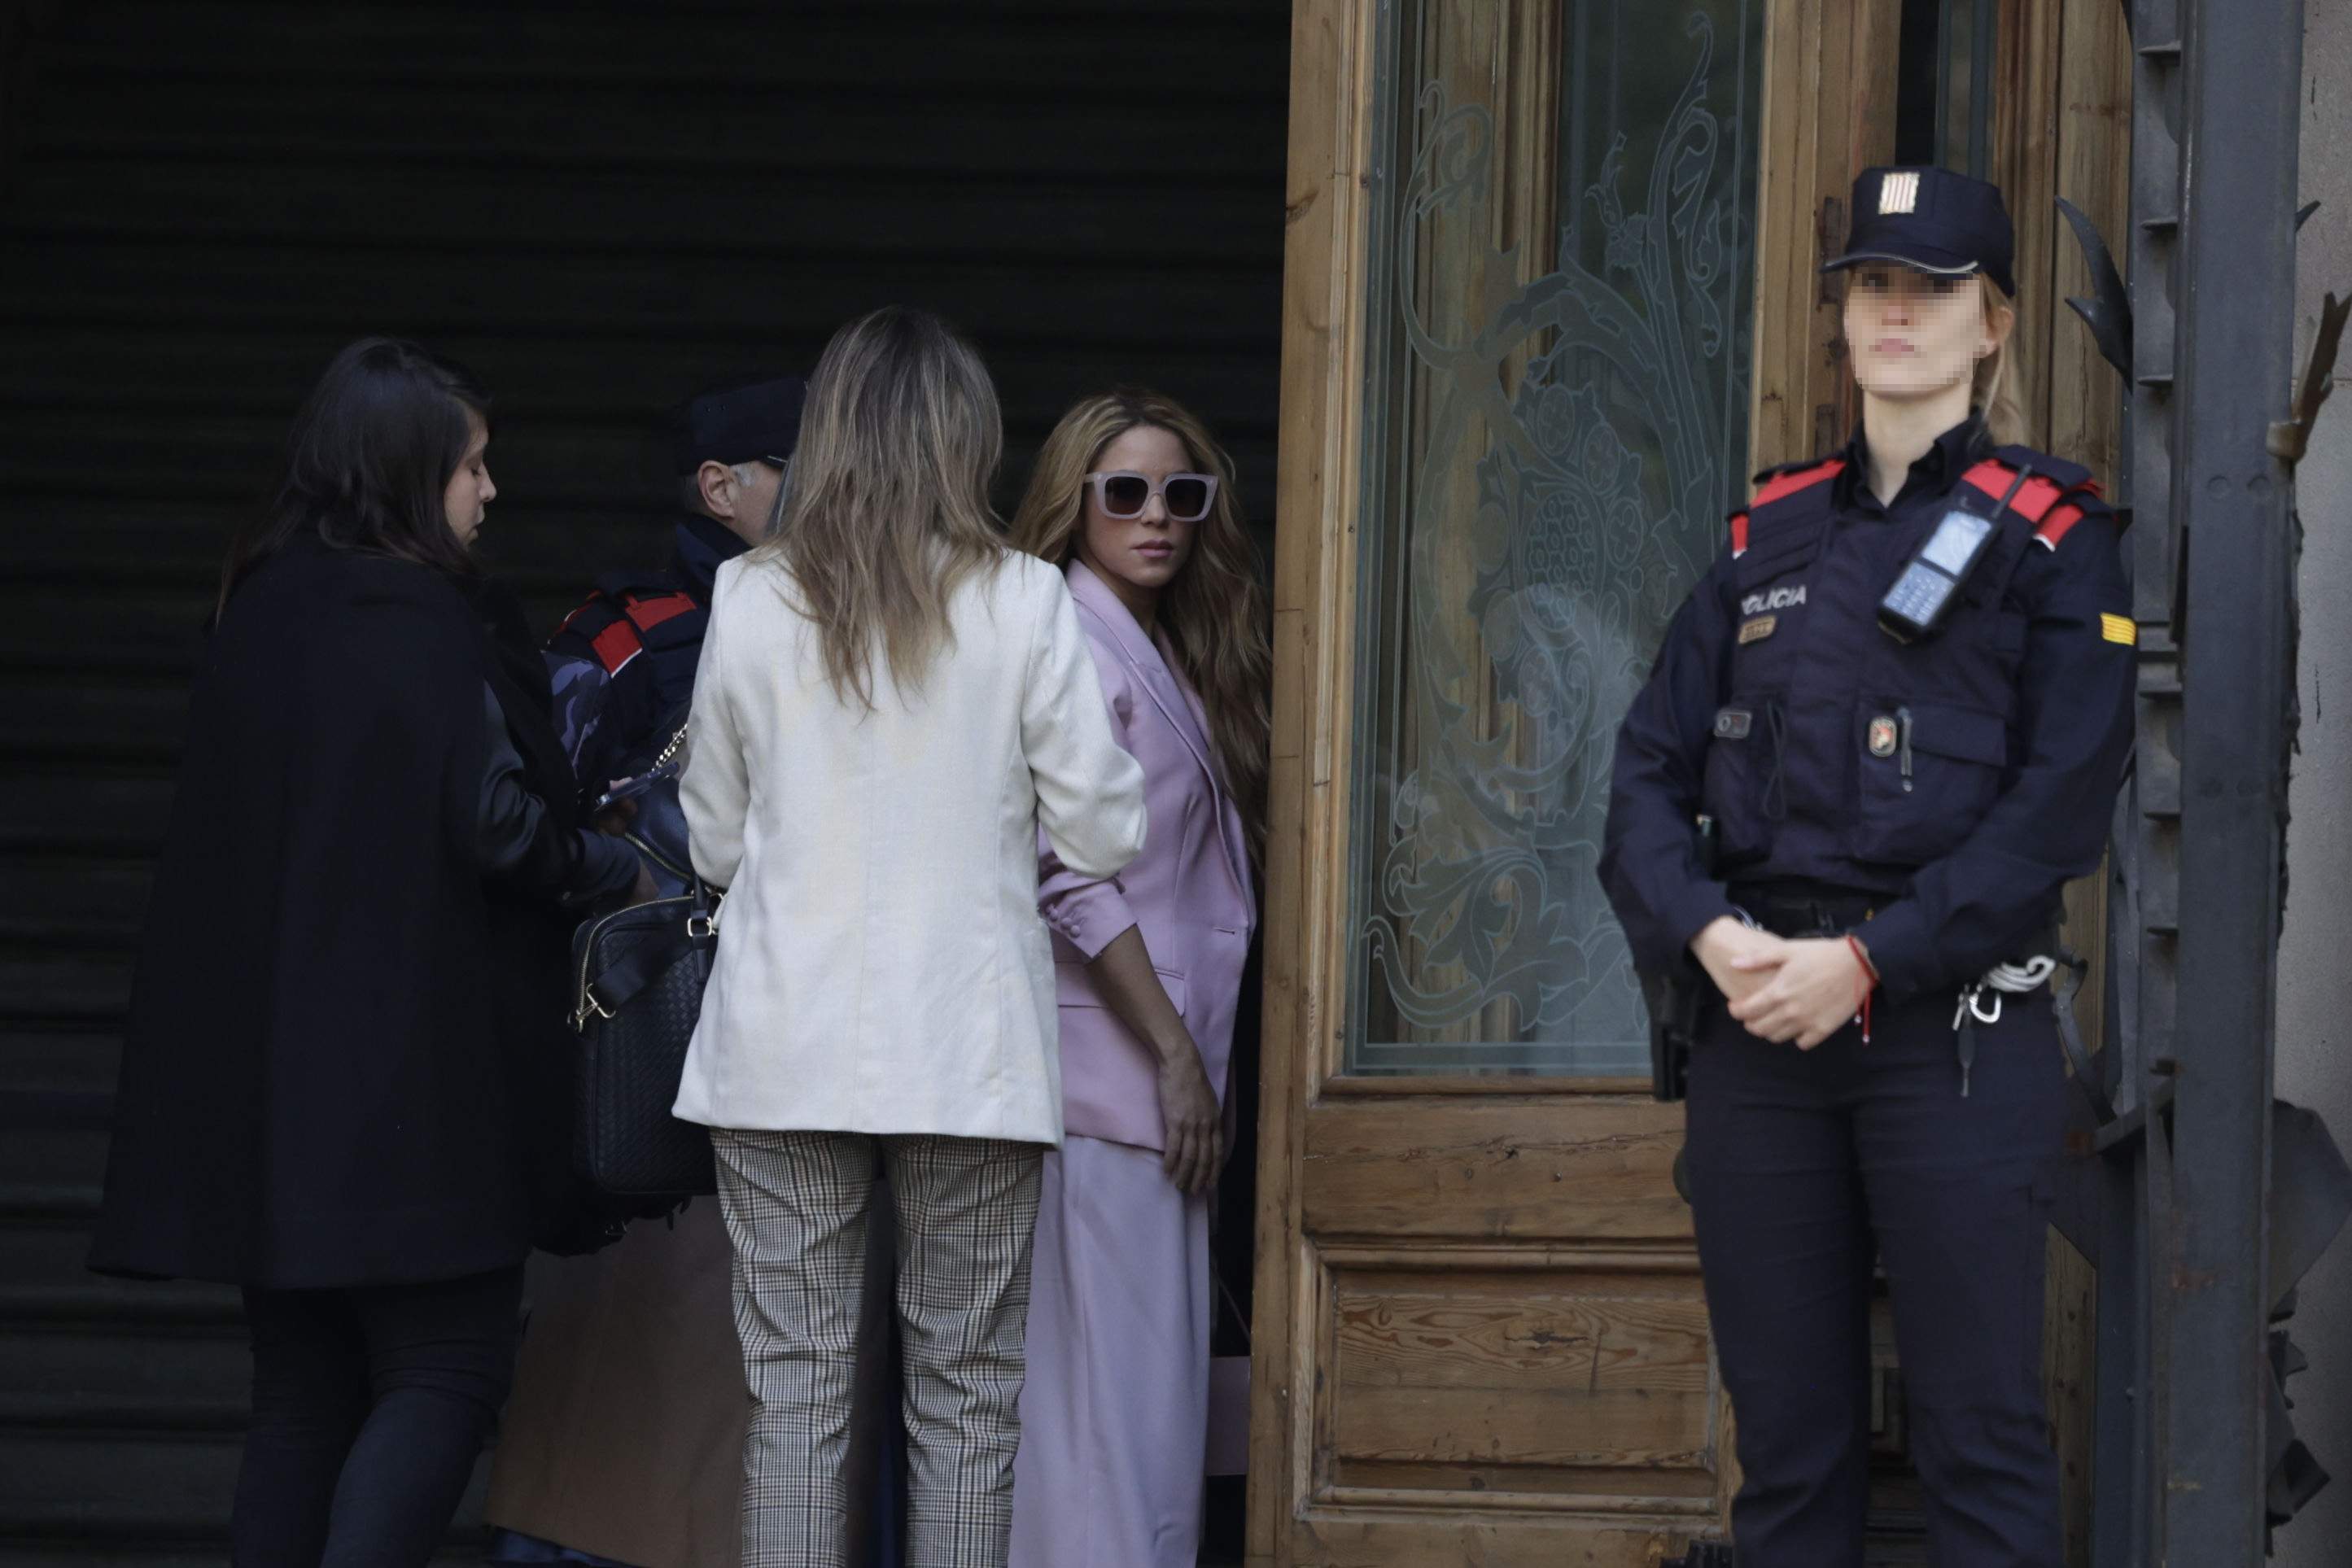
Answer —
599 206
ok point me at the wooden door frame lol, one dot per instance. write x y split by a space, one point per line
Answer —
1811 46
1326 198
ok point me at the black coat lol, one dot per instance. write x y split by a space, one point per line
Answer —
345 1062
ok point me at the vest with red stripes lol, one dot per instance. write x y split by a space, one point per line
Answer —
1841 756
645 635
614 624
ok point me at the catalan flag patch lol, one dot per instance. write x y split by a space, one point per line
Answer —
2119 628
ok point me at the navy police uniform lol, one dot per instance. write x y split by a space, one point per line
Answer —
624 659
623 664
1932 797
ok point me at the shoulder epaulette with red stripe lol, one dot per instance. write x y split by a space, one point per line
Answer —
2042 502
1779 484
615 625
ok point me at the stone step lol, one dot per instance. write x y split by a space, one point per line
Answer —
173 1391
612 374
91 103
62 1483
90 718
73 1156
556 470
1219 48
82 813
75 902
45 1282
85 1552
145 285
127 1484
70 991
57 1061
169 549
400 207
117 627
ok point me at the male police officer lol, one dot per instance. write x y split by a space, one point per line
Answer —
623 664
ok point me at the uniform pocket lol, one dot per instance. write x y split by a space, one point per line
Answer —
1930 771
2004 634
1741 774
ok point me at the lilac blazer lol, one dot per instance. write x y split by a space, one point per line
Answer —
1189 891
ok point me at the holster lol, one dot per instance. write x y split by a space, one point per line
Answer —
1676 996
1675 999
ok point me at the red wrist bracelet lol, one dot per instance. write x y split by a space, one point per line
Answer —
1869 980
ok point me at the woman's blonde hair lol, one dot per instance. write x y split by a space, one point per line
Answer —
1214 612
1991 397
888 513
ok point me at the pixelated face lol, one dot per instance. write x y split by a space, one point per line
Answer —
1915 334
466 499
757 489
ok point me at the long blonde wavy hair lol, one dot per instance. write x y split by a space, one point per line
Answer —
888 513
1214 612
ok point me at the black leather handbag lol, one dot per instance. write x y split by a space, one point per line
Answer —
638 975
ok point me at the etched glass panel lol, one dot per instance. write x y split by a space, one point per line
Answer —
1561 275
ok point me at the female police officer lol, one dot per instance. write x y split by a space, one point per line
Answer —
1882 733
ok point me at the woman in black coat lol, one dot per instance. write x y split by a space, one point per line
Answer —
344 1058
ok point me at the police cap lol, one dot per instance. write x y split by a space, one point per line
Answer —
759 420
1931 220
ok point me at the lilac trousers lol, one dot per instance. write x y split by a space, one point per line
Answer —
1115 1415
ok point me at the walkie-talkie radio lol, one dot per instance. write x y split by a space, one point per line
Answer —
1914 607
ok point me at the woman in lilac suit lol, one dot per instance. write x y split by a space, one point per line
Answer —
1134 500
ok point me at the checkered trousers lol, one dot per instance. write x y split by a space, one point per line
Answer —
796 1206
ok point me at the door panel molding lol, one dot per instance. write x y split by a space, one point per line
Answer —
1515 1167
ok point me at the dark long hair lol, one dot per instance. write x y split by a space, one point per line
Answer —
369 460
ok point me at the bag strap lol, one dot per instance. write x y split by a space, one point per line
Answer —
674 725
617 987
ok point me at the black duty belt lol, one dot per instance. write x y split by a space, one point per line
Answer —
1795 911
1799 910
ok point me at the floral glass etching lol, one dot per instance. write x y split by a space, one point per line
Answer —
1558 422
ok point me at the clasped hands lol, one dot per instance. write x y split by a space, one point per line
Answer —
1782 988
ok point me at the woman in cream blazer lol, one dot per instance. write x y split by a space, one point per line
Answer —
881 966
1134 496
891 706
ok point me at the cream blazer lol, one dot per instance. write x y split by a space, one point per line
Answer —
881 965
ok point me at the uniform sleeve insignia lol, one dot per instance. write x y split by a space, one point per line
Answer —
2119 628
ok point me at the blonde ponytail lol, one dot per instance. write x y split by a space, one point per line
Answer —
1992 398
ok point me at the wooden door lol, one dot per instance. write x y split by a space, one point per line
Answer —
1528 239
